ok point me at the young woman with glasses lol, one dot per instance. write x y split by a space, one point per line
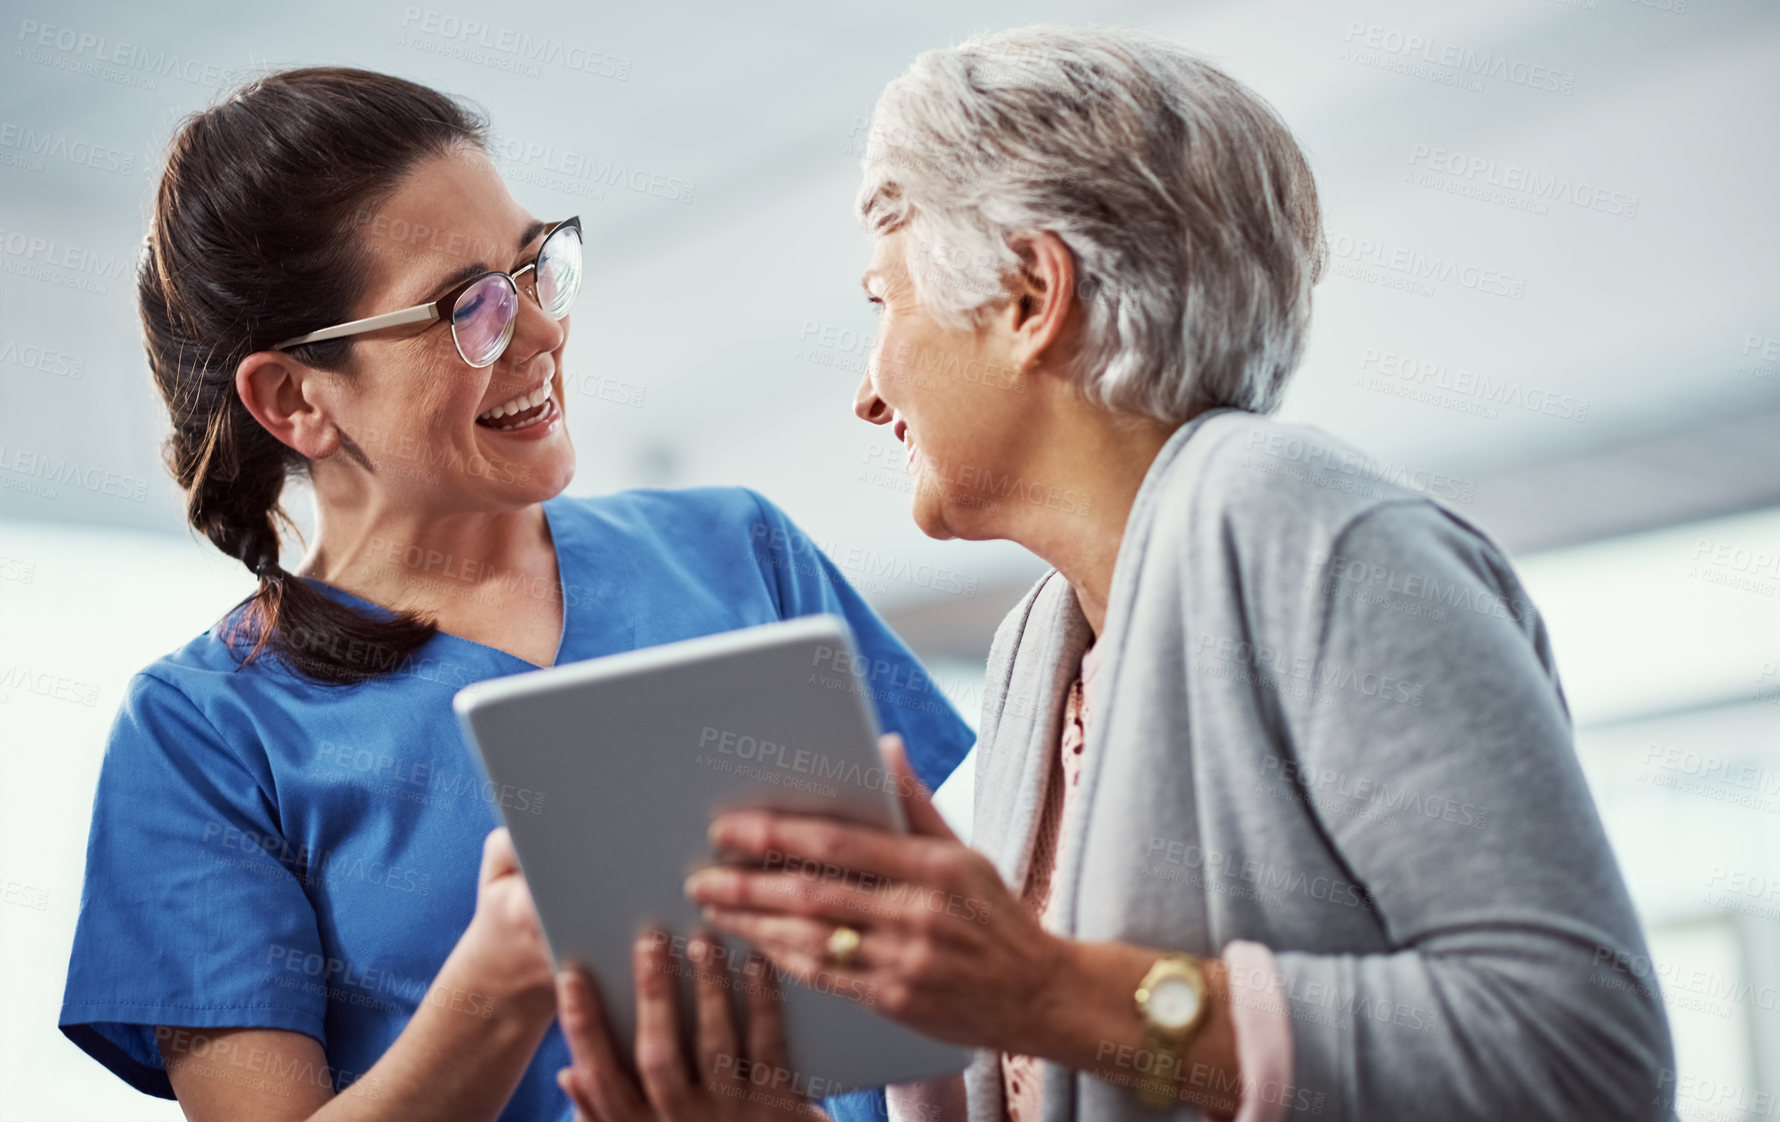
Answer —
283 916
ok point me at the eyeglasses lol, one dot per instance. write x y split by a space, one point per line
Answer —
483 309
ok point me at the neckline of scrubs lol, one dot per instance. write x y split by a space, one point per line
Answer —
562 639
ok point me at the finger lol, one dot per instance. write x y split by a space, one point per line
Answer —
582 1015
606 1090
716 1022
917 803
832 900
797 843
799 945
780 937
585 1111
766 1020
661 1064
498 855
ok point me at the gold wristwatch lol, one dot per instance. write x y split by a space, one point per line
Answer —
1172 1001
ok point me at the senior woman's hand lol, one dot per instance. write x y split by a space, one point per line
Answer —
736 1078
943 945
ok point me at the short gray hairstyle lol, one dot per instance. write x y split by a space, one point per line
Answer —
1189 209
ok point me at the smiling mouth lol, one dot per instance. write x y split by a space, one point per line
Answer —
901 430
527 409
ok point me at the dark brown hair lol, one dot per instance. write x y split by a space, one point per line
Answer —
255 240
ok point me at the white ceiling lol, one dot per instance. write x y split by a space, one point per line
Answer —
707 304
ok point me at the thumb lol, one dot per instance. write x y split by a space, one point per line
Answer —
498 855
923 819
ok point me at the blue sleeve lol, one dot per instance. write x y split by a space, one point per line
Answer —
190 900
906 698
860 1106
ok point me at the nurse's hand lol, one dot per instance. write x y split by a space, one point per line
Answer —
730 1079
503 950
919 923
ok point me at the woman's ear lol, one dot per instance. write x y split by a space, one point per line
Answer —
1044 299
282 394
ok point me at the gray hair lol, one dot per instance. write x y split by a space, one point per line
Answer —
1189 209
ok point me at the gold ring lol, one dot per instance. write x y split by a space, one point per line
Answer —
843 945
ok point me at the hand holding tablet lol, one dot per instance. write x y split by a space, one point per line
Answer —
635 755
931 929
735 1074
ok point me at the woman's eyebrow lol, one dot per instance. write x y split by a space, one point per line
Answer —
464 272
531 232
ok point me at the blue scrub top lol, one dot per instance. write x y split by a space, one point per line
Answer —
270 852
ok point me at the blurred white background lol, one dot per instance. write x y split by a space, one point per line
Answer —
1614 419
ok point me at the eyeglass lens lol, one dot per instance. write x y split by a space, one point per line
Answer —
559 272
482 320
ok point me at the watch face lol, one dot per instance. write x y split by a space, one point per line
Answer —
1173 1003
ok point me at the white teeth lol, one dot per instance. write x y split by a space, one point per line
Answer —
518 404
548 412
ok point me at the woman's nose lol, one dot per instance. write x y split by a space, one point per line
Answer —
867 405
535 332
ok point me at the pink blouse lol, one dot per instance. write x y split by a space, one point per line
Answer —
1020 1074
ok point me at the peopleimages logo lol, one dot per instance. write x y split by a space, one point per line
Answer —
1366 255
60 263
56 687
24 467
1372 44
46 360
548 161
109 59
23 146
803 761
1298 675
473 37
1315 462
775 544
1516 180
1437 383
1766 363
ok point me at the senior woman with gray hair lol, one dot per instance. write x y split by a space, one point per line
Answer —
1277 810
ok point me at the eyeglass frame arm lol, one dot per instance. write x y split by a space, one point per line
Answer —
420 313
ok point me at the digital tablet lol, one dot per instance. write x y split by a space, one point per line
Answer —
625 760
